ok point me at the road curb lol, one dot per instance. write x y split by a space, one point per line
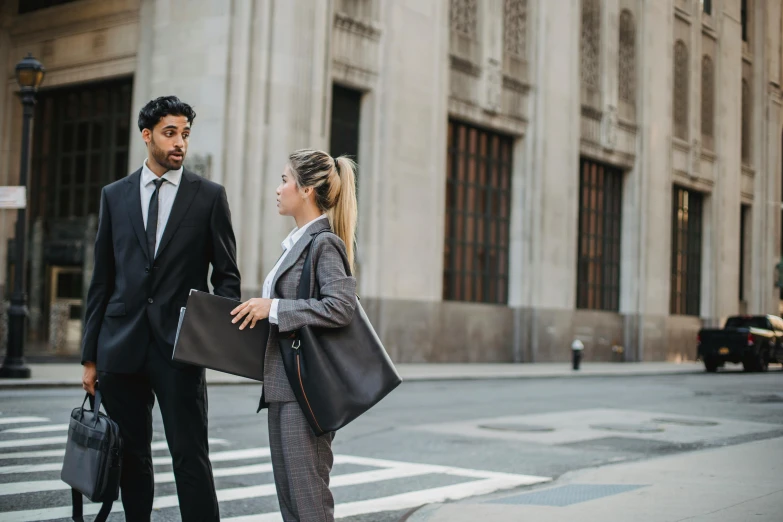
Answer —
16 384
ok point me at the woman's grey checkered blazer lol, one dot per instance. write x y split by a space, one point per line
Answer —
301 461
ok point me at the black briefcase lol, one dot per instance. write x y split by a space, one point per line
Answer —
93 458
206 337
336 374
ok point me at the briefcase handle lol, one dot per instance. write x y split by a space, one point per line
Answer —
95 404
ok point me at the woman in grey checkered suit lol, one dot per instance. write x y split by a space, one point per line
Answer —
319 192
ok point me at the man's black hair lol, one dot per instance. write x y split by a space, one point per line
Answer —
158 108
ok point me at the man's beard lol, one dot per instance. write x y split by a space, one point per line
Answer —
161 157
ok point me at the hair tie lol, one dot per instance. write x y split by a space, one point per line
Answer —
336 165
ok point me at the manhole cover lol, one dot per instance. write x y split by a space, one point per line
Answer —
772 398
686 422
521 428
628 428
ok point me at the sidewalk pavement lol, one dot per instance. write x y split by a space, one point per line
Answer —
70 374
730 484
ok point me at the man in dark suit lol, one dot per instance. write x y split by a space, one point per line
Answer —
159 231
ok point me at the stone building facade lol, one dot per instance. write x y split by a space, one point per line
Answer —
530 172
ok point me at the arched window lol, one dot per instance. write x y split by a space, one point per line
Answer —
746 114
464 17
680 105
515 26
627 62
591 44
707 98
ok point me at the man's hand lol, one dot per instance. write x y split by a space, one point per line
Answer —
252 311
89 377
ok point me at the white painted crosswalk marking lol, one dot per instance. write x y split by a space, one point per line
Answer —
21 420
38 429
223 456
476 482
52 441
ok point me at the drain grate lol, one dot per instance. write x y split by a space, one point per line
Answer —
628 428
567 495
519 428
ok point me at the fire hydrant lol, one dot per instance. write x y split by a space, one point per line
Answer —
576 353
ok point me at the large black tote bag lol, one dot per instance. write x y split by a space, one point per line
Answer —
336 374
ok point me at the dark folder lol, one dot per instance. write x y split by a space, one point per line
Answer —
206 337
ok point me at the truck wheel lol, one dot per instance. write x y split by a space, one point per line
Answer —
762 364
711 365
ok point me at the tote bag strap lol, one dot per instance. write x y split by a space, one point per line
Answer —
307 269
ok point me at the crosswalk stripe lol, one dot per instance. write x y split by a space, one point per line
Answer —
434 468
52 441
403 500
222 456
45 441
37 486
22 420
156 446
38 429
223 495
33 454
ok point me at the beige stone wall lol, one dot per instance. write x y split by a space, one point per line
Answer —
260 75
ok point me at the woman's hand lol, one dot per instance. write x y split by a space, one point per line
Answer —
252 310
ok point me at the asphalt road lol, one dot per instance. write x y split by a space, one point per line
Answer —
427 442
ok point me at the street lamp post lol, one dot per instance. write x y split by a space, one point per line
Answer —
29 75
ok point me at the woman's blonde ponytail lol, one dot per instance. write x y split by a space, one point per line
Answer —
344 211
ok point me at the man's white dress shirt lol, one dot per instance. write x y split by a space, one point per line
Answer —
295 235
166 194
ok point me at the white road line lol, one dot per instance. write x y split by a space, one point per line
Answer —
405 500
39 429
223 495
22 420
32 454
223 456
448 470
45 441
36 486
52 441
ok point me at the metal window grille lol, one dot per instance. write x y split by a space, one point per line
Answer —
746 129
707 99
600 224
686 252
478 209
81 143
680 104
627 62
590 69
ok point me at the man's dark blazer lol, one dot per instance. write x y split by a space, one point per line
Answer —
134 300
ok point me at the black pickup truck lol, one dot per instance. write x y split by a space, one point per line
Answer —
753 340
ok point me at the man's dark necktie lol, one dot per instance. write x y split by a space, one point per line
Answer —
152 218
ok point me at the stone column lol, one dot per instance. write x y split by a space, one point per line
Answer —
723 211
296 86
766 125
406 183
652 177
551 216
